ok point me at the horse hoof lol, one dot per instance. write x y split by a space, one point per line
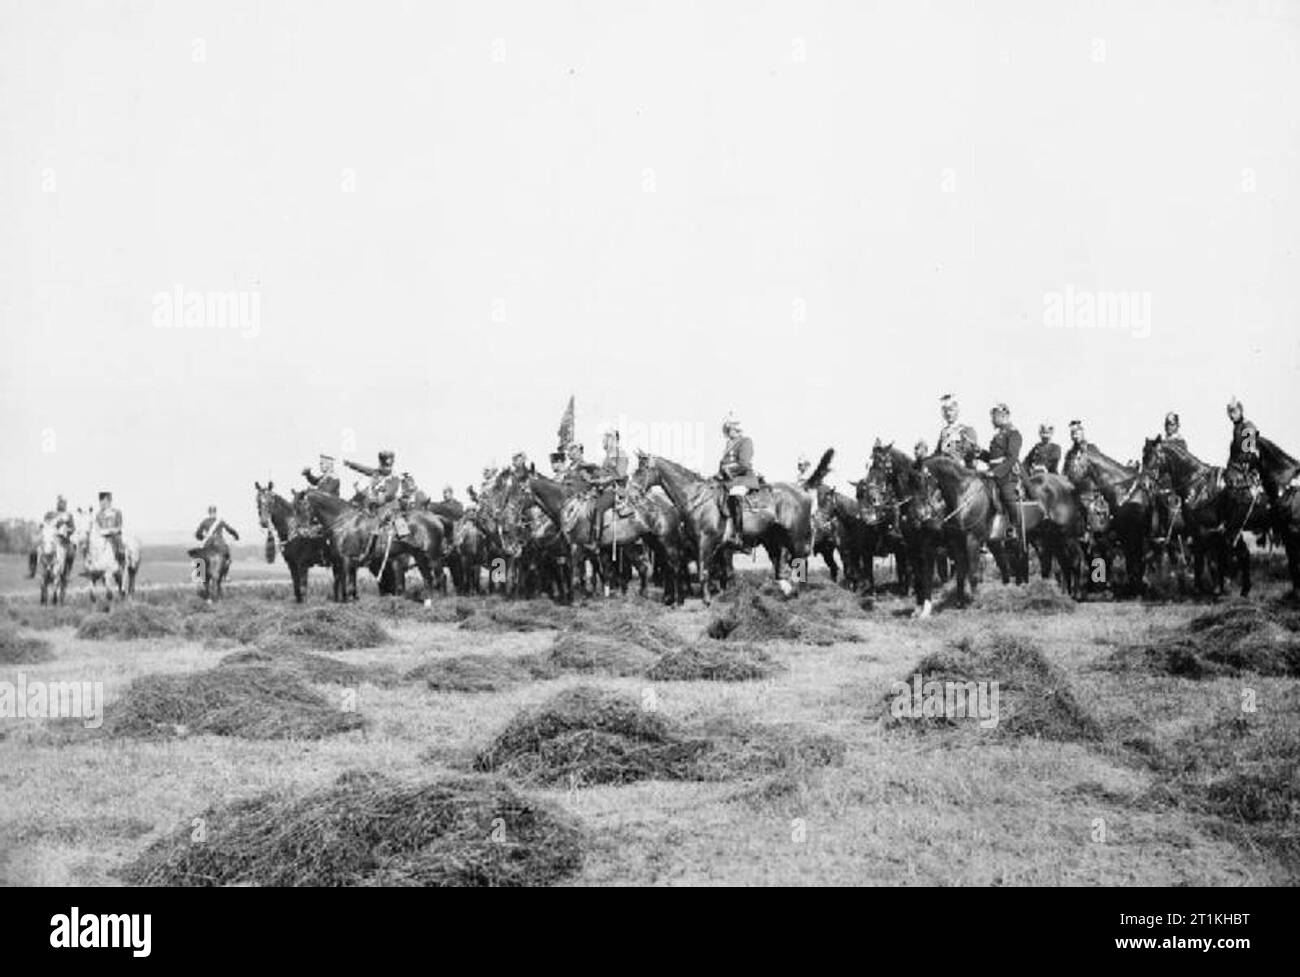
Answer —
428 602
924 611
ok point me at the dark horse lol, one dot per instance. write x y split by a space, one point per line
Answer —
1056 525
1132 508
939 502
358 538
780 518
1280 474
882 536
1215 512
302 544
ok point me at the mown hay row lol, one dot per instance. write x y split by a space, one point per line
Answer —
1264 639
587 736
245 701
367 829
1034 699
21 649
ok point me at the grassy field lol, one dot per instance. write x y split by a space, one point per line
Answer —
1133 750
160 566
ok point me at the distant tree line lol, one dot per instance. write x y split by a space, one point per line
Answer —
18 535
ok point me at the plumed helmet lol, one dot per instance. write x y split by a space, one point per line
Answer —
1046 428
1000 408
1076 425
1235 404
730 423
1171 419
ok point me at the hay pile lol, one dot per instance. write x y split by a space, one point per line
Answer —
36 617
366 829
747 611
130 621
1264 639
18 649
531 616
479 673
831 600
331 627
576 651
246 701
320 669
1243 770
586 736
1034 698
713 661
1036 597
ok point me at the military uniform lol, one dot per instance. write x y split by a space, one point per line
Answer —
1243 455
1045 455
64 525
108 523
1003 458
611 473
959 442
1077 466
384 486
211 533
324 482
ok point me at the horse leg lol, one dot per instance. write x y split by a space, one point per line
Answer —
1243 560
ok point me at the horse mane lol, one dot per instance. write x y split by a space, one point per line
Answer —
1180 451
1095 454
677 468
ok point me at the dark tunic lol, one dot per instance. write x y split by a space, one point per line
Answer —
737 464
1044 455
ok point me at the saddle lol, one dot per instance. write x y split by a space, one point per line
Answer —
759 498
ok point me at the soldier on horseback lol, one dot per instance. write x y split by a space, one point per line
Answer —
410 495
1078 469
326 481
956 440
736 471
451 505
384 486
1173 434
1045 456
1243 451
609 477
801 470
1003 459
61 519
108 524
210 533
579 473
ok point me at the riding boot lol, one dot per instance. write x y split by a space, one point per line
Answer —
734 505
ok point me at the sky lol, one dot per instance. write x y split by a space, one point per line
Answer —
437 221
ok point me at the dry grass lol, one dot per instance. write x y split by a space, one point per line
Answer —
479 673
330 627
1038 596
366 829
1035 699
247 701
711 661
586 735
129 622
575 651
749 611
20 649
1240 638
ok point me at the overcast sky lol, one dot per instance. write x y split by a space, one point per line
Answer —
445 218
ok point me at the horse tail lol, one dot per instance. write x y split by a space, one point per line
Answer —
822 470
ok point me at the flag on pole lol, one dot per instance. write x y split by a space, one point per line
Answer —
566 426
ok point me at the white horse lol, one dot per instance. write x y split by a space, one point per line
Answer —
53 564
101 565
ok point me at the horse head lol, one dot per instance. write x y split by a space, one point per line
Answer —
1153 456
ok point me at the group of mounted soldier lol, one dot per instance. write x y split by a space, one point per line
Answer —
586 510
